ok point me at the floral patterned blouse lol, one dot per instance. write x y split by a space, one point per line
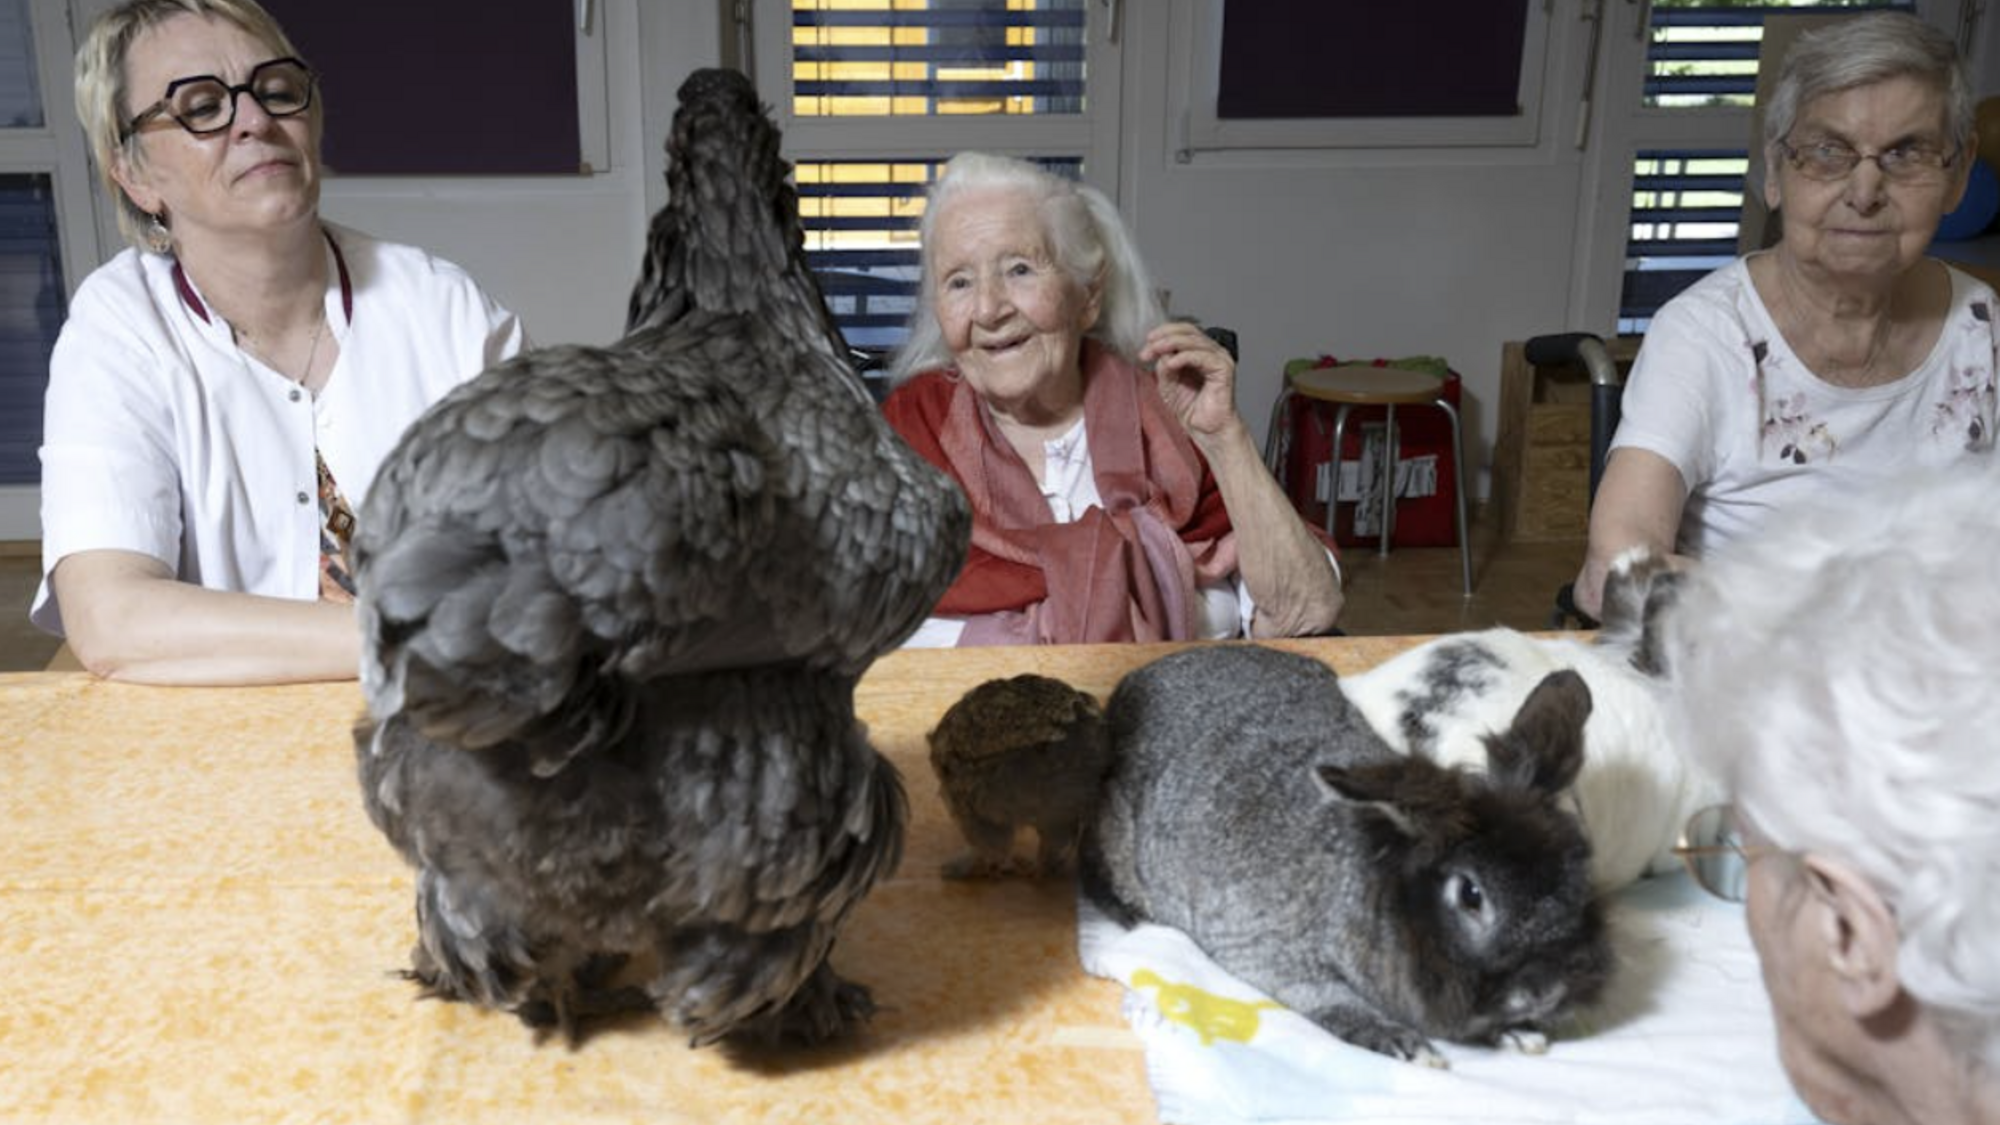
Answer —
1717 392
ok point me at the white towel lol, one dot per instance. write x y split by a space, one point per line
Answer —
1683 1036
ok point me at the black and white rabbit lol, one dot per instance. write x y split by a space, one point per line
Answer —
1635 790
1387 898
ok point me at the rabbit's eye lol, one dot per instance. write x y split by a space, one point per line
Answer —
1471 899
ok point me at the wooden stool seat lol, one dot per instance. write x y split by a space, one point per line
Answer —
1361 384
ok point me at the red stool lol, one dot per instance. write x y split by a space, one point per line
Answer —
1359 384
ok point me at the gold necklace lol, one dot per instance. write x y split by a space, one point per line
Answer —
249 342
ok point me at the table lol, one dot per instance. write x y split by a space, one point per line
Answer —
198 923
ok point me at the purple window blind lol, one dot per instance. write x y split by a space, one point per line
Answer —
1370 58
442 87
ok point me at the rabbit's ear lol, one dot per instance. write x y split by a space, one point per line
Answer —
1649 656
1415 795
1543 749
1639 588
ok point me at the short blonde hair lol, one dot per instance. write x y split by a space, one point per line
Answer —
101 85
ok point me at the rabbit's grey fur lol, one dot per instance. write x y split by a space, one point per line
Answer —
1385 897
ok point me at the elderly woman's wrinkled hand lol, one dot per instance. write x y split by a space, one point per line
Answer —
1196 377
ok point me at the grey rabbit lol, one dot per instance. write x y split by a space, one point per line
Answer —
1385 897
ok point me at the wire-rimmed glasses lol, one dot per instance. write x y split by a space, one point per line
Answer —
1828 161
1712 847
204 104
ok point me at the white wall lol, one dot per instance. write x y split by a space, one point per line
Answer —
561 251
1446 252
1363 254
1379 255
1358 253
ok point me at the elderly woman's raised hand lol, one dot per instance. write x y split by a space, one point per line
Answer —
1196 378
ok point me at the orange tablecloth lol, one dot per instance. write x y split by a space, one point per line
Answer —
198 923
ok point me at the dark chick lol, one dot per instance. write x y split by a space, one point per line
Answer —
614 604
1026 752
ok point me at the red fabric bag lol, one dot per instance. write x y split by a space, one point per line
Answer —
1420 521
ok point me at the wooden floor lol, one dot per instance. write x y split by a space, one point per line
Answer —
1408 591
1419 590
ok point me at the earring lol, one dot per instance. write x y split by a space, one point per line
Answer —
158 238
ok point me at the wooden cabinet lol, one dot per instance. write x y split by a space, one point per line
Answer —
1541 460
1979 257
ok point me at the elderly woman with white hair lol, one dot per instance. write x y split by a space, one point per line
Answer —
1116 493
1842 353
1838 675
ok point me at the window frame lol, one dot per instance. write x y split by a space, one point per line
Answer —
57 150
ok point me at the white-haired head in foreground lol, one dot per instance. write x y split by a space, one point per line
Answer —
1841 675
1086 236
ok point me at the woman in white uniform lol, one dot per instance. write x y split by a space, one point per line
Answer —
224 390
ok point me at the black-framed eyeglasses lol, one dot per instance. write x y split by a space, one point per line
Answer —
1905 164
205 105
1712 847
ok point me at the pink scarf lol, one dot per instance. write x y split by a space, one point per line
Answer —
1126 571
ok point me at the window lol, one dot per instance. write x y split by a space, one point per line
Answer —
31 286
47 238
541 111
32 307
874 96
952 57
1508 39
20 89
1685 209
1699 77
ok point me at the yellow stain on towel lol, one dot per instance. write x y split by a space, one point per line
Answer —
1212 1017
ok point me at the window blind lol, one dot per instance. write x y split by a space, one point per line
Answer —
897 58
1686 207
902 58
1704 52
20 97
445 87
32 309
860 221
1275 60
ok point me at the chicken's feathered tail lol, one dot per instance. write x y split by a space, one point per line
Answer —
728 240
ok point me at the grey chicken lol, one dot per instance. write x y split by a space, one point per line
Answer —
1026 751
614 603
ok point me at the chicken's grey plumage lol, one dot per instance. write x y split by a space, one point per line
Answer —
614 603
